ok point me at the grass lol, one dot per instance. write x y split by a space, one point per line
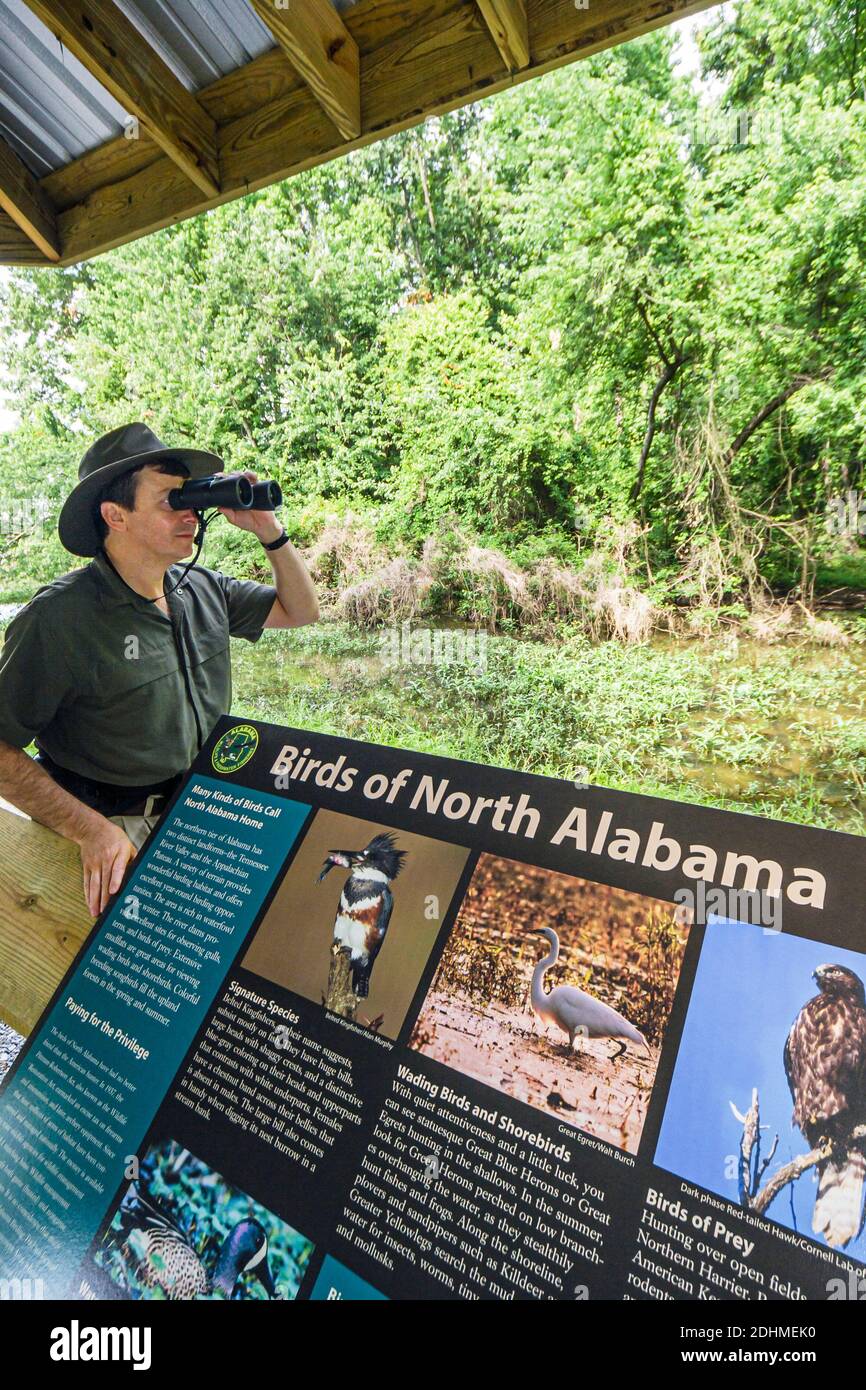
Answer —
843 572
771 730
775 729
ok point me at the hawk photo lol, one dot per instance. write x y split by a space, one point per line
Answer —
825 1063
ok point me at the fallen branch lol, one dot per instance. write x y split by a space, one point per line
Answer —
771 406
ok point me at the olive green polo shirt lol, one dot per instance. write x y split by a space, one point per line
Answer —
112 688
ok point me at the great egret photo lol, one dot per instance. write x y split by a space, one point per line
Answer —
557 991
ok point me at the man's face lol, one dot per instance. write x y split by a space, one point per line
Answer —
153 526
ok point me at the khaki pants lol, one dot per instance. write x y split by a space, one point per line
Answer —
136 828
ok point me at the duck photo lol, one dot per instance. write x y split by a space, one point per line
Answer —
181 1232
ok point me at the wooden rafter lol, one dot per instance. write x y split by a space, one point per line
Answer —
121 59
509 28
417 58
30 208
16 248
316 42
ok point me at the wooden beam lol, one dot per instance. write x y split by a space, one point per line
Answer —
16 248
271 127
110 163
293 132
509 28
316 41
25 202
120 58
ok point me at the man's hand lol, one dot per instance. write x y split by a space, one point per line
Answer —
262 524
105 853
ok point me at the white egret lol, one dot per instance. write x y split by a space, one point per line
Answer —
573 1010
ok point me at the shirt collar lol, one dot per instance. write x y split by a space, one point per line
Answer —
115 591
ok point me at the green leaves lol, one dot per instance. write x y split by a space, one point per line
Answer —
519 314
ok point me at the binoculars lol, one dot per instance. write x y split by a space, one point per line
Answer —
225 490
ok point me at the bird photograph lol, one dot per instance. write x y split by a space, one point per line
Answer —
362 917
556 990
352 925
574 1011
180 1232
767 1103
825 1063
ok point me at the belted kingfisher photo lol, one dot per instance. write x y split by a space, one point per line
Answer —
366 903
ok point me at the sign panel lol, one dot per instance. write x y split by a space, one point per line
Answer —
364 1023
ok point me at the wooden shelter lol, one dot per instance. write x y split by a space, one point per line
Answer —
118 117
112 123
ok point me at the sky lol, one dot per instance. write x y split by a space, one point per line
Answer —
750 985
686 58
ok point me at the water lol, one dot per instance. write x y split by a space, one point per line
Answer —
803 742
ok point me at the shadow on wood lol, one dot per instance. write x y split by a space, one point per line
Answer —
43 916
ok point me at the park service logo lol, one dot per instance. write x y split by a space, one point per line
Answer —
234 750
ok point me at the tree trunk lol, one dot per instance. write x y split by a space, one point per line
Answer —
670 371
413 230
422 170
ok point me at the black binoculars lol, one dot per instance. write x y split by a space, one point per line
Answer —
225 490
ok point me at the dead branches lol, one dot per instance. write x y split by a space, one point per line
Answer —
751 1168
722 550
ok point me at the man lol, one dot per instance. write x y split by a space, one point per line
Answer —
117 670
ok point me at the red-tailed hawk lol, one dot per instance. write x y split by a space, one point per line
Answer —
825 1063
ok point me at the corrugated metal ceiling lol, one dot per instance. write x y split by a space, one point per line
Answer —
52 110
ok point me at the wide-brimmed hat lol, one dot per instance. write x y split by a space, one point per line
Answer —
114 453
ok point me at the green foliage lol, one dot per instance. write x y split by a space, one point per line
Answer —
469 437
528 319
731 723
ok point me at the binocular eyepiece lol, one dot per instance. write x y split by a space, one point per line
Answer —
225 490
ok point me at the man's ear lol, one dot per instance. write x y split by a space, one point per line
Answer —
113 515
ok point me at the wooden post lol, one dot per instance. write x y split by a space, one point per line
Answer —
43 916
341 998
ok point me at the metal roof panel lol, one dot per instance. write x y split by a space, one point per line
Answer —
52 110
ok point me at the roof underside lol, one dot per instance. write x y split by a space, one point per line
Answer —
118 117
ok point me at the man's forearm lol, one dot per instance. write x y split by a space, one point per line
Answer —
28 786
294 586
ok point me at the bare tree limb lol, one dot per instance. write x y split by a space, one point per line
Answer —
771 406
751 1170
642 310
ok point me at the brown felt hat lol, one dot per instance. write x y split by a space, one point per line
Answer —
114 453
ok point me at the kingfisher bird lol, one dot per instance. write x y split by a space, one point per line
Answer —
365 904
163 1258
